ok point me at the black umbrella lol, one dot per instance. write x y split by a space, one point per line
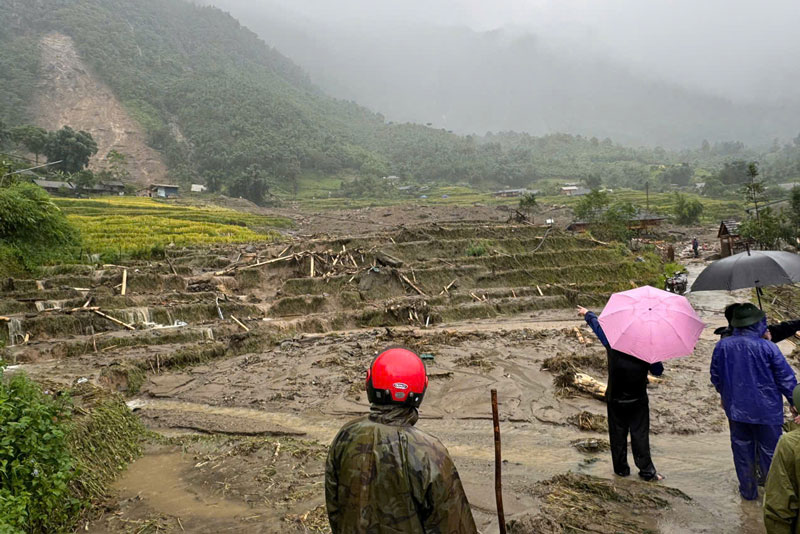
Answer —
750 269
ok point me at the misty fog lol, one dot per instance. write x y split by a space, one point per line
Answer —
657 72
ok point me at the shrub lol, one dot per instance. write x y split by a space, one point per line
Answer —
476 250
687 210
36 468
32 228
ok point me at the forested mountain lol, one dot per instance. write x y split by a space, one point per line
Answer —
225 108
505 79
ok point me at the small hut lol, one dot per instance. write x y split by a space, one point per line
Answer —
730 241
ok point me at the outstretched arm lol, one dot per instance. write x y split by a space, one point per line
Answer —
783 330
594 324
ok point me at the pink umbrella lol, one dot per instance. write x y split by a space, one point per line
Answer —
651 324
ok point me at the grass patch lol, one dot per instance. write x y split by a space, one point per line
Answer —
714 209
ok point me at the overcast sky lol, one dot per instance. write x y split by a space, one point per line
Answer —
741 49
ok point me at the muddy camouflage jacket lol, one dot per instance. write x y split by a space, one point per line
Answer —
781 493
383 476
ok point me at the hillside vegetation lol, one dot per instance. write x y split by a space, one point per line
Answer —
226 109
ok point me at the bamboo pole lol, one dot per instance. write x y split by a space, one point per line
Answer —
240 323
498 462
113 320
124 282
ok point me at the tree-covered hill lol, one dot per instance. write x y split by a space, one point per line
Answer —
226 109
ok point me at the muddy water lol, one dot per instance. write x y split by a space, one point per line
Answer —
161 480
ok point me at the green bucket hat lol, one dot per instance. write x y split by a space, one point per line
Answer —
746 315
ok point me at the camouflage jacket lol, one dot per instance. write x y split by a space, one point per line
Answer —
383 476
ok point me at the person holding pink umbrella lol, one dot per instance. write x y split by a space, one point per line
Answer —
639 329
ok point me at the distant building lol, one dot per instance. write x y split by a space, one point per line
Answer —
55 188
574 191
162 191
508 193
199 188
101 188
638 223
789 186
730 240
391 178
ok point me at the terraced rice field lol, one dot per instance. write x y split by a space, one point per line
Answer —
115 227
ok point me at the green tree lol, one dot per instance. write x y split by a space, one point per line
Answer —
733 173
753 190
614 223
73 149
83 180
794 212
678 174
593 181
5 134
767 230
590 207
253 184
687 210
33 138
527 203
118 166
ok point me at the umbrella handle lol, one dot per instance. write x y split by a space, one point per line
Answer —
758 294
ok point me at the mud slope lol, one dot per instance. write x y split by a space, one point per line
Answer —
70 95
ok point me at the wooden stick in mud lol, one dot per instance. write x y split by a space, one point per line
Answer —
498 463
124 282
113 320
405 279
240 323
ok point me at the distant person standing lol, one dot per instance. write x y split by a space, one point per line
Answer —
628 405
696 247
782 490
751 375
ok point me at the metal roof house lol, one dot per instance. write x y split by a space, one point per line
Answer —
514 192
162 191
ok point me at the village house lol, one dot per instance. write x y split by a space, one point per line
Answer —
730 240
162 191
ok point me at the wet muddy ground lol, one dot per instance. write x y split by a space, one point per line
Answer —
243 419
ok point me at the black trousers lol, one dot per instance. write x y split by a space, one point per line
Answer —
633 417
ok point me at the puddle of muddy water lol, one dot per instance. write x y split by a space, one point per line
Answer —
160 480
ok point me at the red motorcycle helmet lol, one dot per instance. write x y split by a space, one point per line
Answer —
397 376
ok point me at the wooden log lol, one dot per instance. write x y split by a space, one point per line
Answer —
589 385
124 282
240 323
388 260
312 266
580 336
112 319
405 279
540 291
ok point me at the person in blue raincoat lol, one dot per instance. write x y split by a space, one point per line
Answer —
751 375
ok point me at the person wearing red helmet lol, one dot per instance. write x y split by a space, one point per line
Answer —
383 475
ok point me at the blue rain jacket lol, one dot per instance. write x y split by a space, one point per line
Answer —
751 374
